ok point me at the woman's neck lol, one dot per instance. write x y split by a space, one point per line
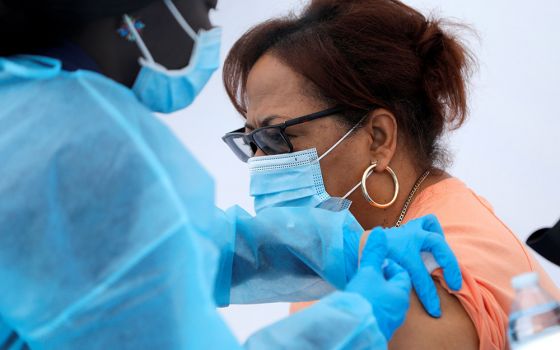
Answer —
370 217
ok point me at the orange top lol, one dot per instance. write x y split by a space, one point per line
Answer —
489 253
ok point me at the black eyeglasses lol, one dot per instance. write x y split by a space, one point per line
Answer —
269 139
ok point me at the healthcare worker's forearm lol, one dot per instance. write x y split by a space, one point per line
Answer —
340 321
284 254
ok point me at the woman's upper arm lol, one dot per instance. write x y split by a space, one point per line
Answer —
454 330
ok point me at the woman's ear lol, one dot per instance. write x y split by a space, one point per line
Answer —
382 126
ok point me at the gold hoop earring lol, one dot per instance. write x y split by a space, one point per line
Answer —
365 192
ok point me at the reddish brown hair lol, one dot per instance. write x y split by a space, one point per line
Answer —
364 53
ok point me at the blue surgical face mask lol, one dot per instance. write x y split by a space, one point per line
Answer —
168 91
294 180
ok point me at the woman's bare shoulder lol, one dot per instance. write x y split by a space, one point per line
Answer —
454 330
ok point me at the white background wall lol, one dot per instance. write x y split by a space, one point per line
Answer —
508 151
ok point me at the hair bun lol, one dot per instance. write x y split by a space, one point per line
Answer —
431 42
446 65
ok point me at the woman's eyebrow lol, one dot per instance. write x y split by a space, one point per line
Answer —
267 121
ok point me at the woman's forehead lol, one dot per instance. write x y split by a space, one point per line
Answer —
273 88
270 79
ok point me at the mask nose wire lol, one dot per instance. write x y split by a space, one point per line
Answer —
180 19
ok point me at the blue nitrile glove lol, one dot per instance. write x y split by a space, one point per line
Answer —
386 289
406 245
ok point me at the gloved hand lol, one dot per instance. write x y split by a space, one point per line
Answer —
406 244
386 289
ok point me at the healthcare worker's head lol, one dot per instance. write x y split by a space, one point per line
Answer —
165 50
396 80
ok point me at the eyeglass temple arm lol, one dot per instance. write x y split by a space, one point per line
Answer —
313 116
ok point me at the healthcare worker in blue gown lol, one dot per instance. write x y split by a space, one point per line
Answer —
109 236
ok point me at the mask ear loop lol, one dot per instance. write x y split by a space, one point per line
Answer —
342 139
355 188
138 39
180 19
338 143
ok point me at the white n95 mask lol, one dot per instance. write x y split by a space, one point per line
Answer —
167 91
294 180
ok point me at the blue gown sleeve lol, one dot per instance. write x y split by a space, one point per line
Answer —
284 254
340 321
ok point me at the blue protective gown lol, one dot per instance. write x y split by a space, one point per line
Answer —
109 236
